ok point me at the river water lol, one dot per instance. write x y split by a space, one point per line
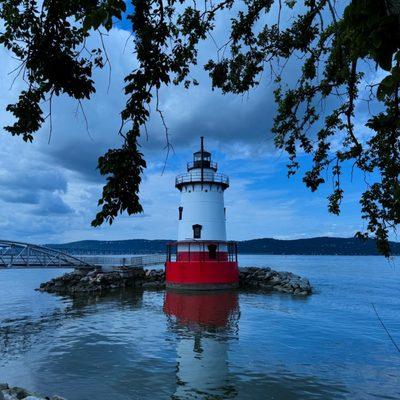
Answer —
230 345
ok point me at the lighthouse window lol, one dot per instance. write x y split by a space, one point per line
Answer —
212 251
180 213
197 231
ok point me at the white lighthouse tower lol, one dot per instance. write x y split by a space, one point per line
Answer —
202 258
202 212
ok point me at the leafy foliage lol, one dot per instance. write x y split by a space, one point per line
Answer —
331 49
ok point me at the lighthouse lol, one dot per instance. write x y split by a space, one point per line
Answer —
202 258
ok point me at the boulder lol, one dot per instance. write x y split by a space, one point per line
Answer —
80 271
20 393
268 274
153 285
283 289
275 280
92 273
304 293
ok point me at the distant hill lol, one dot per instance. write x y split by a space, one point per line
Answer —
312 246
133 246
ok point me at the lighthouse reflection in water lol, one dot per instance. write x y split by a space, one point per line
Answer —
206 323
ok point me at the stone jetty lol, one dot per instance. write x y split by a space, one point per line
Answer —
17 393
251 278
270 280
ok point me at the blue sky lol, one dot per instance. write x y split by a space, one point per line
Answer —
49 189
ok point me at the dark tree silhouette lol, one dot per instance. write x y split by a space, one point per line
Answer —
331 47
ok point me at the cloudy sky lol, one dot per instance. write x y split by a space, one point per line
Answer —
49 189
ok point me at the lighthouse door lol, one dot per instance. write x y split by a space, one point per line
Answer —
212 251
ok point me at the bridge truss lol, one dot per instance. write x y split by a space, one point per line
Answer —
25 255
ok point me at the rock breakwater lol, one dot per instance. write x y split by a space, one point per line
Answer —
98 281
81 281
268 279
17 393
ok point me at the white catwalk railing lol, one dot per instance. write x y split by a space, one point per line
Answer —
206 177
145 260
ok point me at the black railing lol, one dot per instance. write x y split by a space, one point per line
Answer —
204 164
197 177
202 251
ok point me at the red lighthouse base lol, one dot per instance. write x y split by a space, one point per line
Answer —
198 270
201 275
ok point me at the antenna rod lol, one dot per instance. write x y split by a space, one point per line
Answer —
202 159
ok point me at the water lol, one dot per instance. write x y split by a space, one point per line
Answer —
217 346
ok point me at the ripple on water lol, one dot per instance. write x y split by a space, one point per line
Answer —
227 346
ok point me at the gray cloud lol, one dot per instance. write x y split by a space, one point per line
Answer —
49 192
19 196
52 204
34 180
33 184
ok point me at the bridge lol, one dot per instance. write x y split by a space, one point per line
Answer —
26 255
19 254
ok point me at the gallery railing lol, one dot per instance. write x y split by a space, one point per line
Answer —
198 177
202 251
